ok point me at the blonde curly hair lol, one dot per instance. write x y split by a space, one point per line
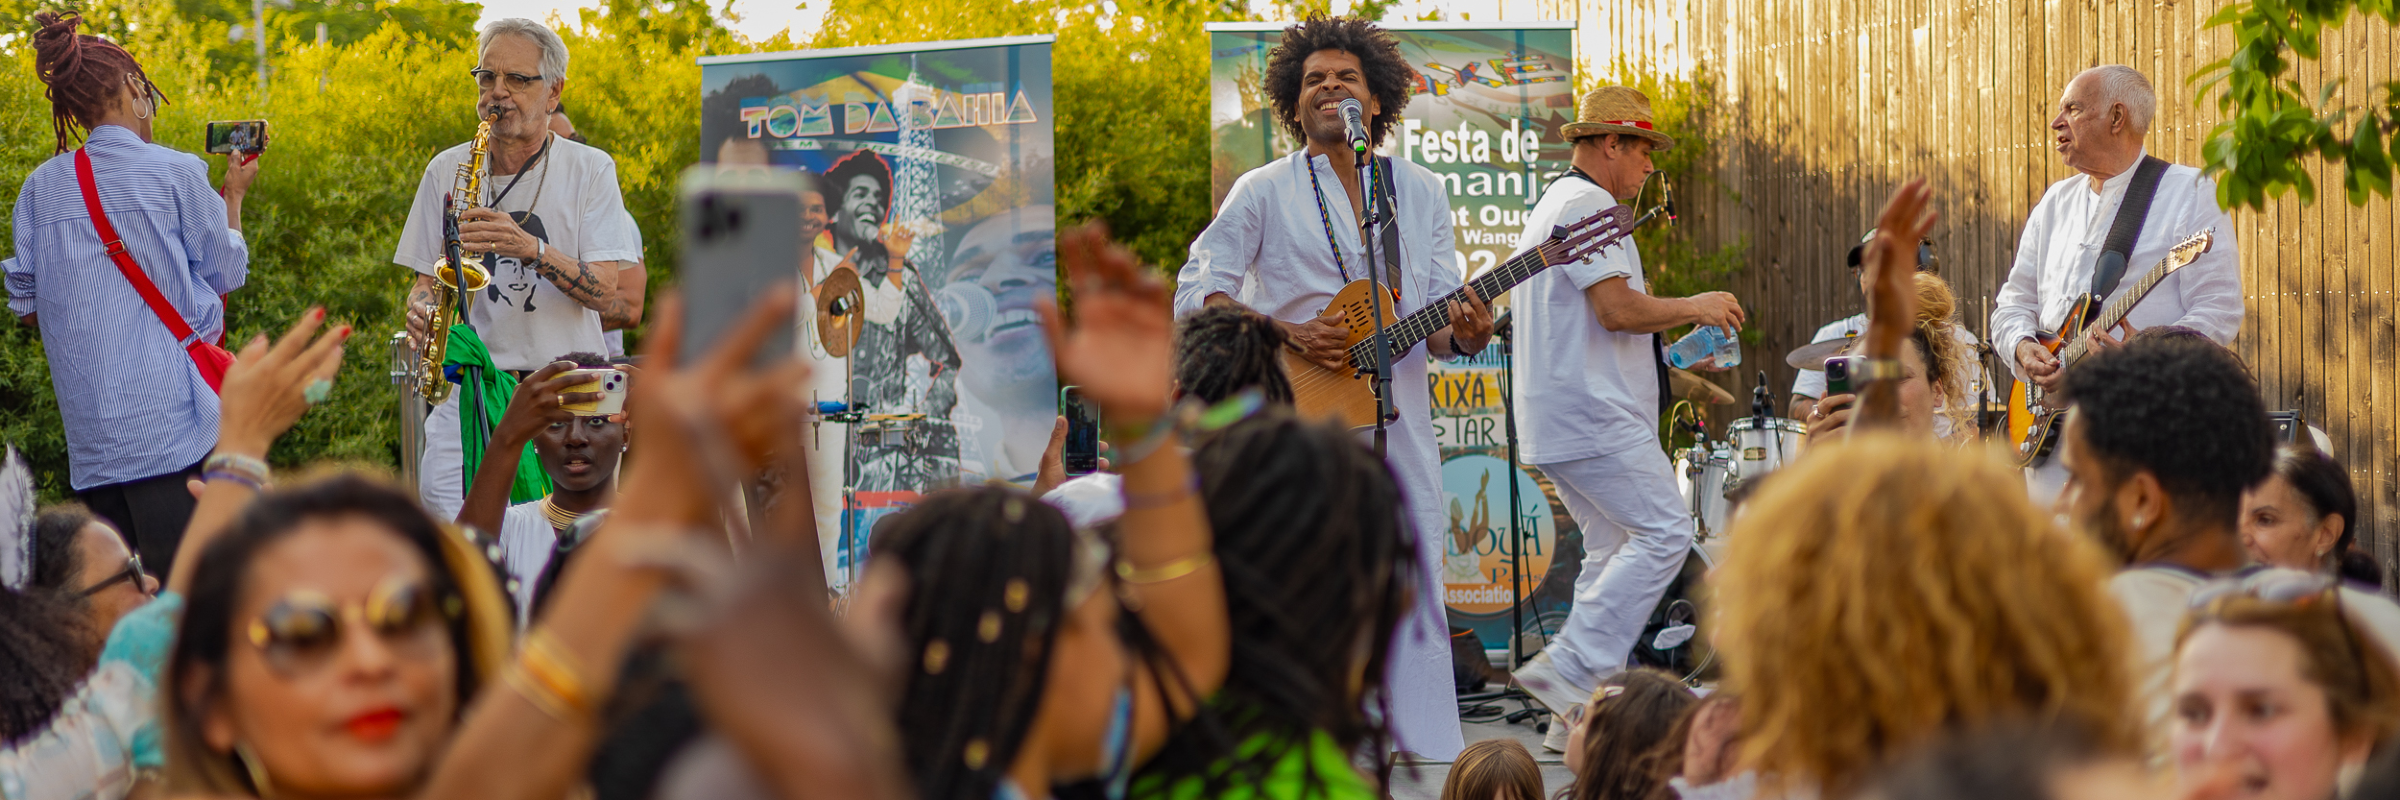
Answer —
1947 361
1887 588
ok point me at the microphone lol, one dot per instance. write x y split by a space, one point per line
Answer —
1504 324
1354 124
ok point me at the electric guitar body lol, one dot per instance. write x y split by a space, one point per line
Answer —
2037 419
2034 423
1348 395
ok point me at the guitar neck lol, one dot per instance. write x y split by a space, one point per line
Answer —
2115 312
1436 315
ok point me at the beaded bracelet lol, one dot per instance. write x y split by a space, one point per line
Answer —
212 476
238 468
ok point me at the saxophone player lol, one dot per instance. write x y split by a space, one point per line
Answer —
550 228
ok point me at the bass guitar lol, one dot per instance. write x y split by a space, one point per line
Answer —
1348 395
2034 416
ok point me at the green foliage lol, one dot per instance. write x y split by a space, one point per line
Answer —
1132 100
2270 126
354 124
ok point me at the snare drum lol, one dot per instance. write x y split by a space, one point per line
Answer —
1763 448
1700 474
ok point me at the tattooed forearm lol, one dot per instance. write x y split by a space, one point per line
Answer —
592 285
618 314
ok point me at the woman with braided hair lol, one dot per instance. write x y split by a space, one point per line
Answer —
139 412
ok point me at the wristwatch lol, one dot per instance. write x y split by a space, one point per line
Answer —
1869 370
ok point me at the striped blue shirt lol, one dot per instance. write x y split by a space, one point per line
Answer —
134 404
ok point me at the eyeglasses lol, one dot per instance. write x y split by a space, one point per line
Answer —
516 81
302 631
132 572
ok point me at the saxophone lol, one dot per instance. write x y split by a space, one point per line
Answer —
456 278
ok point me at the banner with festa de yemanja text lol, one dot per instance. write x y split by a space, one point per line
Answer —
930 165
1483 115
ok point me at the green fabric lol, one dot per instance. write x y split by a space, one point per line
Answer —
1288 780
485 387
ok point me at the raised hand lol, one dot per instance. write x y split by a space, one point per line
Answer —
266 390
1891 259
701 427
1120 346
540 400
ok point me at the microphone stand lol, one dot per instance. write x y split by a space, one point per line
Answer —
1504 329
1381 340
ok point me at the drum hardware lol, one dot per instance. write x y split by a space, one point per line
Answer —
839 302
1697 389
1813 355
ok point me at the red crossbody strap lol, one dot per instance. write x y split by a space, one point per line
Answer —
125 265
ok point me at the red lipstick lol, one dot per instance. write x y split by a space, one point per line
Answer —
376 725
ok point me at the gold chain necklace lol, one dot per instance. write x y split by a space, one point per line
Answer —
559 518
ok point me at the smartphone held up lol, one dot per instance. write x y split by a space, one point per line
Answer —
738 241
247 136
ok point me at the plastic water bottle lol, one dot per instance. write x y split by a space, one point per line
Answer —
1703 342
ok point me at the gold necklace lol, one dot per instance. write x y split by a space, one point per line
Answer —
560 518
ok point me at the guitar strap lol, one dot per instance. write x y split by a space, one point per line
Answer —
1384 199
2121 235
1658 342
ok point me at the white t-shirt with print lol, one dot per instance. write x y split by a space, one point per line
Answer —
1582 390
577 208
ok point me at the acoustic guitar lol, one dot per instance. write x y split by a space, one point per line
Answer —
1348 395
2034 416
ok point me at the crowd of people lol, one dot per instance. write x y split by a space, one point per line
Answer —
1235 607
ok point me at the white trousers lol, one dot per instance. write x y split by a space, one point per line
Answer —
442 464
1636 533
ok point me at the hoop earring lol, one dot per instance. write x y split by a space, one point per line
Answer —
256 769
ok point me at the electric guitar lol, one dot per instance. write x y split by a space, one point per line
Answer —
2034 418
1348 395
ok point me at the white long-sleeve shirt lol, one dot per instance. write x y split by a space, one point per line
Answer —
1268 249
2061 247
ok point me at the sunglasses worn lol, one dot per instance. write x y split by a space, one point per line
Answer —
301 632
516 81
131 572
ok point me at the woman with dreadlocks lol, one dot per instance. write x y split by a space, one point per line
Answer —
1313 616
128 453
1037 654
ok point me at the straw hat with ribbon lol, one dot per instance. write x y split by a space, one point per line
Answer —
1616 109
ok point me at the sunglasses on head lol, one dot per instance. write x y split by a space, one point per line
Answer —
303 630
2271 585
131 572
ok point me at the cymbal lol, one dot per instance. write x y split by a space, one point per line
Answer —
840 303
1697 389
1812 356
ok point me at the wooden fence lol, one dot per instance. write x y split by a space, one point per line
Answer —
1830 104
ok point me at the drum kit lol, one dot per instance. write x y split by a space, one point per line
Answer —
1714 472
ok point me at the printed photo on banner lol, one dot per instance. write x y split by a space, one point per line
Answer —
932 227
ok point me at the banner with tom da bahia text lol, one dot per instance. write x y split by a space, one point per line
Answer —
943 148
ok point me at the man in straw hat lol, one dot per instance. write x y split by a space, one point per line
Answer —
1287 238
1587 384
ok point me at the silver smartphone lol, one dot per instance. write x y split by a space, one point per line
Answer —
738 242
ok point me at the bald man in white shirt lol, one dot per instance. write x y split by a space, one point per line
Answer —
2102 118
